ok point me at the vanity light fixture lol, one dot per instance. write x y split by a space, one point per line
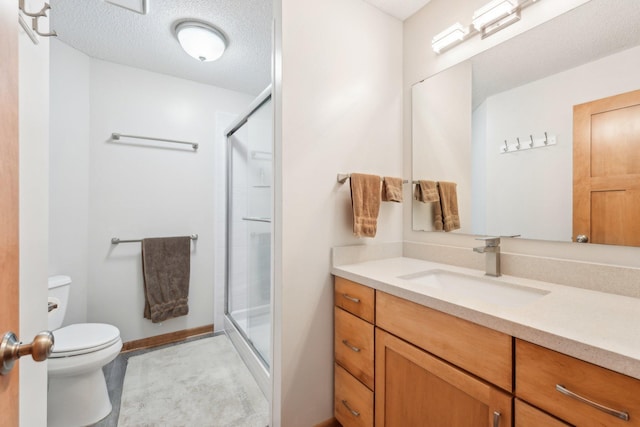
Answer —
449 37
499 24
200 40
493 12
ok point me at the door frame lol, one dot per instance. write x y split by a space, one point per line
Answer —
9 232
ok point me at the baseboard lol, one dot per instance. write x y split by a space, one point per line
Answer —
163 339
332 422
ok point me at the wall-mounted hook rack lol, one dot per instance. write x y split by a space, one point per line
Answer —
545 141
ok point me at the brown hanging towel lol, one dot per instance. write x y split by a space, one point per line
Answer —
166 269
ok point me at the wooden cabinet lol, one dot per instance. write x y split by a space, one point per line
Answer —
354 353
414 388
575 391
474 348
528 416
401 364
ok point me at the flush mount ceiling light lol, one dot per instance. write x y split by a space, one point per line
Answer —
202 41
449 37
493 11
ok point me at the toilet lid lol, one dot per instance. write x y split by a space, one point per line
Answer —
83 338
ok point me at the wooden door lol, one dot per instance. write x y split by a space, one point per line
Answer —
414 388
9 198
606 170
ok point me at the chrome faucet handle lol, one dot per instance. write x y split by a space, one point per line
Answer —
490 241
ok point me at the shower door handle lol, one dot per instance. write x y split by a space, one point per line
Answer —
11 349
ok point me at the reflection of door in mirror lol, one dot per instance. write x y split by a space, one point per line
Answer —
606 170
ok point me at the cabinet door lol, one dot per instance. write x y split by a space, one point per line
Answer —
528 416
414 388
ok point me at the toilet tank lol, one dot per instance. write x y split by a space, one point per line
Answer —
59 287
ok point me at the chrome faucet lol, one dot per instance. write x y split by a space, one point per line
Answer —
492 250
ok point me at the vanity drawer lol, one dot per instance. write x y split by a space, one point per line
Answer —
355 298
474 348
528 416
354 346
539 371
353 402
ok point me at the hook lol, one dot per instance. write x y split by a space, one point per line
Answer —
531 143
506 146
43 11
546 140
518 144
34 25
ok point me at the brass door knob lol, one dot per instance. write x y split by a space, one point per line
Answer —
582 238
11 349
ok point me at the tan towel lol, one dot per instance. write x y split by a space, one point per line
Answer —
365 200
449 219
165 269
426 191
391 189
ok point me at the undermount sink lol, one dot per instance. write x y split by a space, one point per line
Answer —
464 287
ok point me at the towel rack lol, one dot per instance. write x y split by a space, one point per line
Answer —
343 177
116 137
116 240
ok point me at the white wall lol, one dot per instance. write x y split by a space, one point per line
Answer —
69 173
102 189
338 110
542 179
33 195
141 189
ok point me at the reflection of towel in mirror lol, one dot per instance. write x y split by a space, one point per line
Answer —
365 201
391 189
165 269
449 219
426 191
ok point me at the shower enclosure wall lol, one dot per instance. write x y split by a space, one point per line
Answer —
249 230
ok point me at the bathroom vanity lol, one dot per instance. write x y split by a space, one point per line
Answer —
419 343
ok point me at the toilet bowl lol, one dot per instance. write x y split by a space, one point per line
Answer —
77 392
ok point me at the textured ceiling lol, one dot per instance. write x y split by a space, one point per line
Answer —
594 30
401 9
104 31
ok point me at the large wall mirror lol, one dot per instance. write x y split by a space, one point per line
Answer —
501 126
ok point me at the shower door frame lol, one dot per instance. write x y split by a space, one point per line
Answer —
258 367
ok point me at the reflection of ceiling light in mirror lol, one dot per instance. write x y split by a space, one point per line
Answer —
449 37
201 41
138 6
493 11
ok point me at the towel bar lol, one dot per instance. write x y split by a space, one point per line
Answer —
116 137
343 177
116 240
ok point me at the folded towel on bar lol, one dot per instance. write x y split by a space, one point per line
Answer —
426 191
165 269
391 189
448 218
365 201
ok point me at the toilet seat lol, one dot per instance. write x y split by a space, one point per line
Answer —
83 338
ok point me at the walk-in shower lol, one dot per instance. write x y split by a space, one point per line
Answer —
249 236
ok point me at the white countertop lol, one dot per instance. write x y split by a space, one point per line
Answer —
597 327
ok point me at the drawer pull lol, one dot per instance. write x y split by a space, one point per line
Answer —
619 414
352 347
496 419
346 405
352 299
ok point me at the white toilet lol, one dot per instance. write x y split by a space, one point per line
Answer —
77 394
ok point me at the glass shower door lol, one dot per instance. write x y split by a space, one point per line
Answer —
249 228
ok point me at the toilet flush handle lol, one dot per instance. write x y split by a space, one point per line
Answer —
11 349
